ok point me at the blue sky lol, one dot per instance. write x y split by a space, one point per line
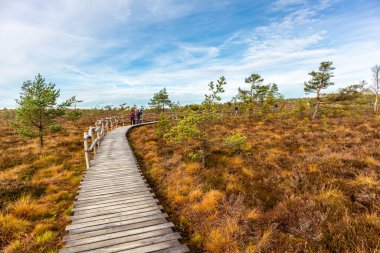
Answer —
114 52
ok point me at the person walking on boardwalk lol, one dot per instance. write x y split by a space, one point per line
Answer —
132 115
139 114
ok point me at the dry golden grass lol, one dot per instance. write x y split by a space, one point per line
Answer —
37 188
303 186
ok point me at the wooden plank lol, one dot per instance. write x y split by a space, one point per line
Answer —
110 174
113 219
124 202
121 240
112 186
110 191
121 169
116 224
113 211
106 188
119 181
122 165
107 177
109 236
123 193
116 181
110 180
100 186
113 215
110 231
113 207
122 198
145 245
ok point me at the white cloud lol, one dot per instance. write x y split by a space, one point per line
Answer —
286 3
97 50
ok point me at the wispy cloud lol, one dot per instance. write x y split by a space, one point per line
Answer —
279 4
124 51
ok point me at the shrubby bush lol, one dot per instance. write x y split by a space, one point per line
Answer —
55 128
73 115
163 125
186 129
236 142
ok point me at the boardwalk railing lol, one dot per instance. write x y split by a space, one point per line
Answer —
95 134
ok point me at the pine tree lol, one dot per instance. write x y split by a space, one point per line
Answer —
37 108
160 99
319 80
216 90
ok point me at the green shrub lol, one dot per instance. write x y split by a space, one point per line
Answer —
55 128
236 143
163 125
186 129
196 155
73 115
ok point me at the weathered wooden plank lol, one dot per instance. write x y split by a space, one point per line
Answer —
118 223
121 240
136 201
110 191
100 186
101 175
117 215
113 211
108 183
107 177
123 193
145 245
110 186
113 207
110 236
107 188
109 231
108 200
117 180
109 180
112 219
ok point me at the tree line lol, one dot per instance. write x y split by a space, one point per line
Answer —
37 107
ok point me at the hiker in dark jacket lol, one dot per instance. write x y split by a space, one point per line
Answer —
132 115
139 114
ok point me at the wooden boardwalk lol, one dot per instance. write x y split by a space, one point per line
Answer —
115 210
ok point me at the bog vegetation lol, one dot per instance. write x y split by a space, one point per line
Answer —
267 174
258 174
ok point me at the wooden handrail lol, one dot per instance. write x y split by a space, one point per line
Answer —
102 127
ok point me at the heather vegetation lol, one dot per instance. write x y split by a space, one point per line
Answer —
253 176
278 183
258 174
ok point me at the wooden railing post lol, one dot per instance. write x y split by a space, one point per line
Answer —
86 151
91 132
98 132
